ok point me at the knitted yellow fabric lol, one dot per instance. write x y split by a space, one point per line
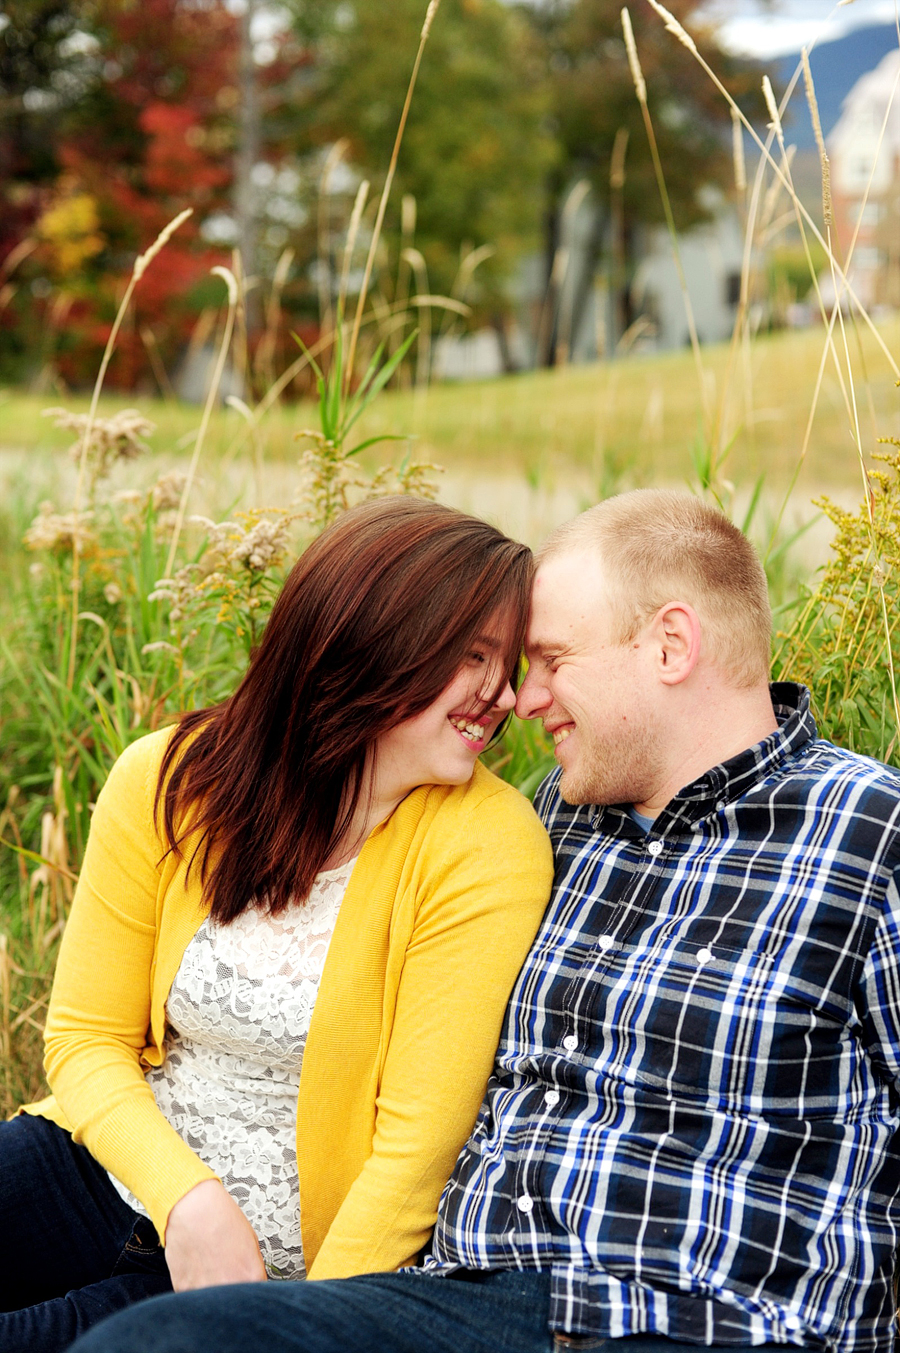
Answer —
441 907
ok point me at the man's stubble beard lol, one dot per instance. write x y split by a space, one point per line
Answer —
614 770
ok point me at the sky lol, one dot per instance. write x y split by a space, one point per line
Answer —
753 28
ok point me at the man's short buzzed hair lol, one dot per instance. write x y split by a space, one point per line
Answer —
661 545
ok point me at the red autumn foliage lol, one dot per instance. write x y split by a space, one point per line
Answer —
153 135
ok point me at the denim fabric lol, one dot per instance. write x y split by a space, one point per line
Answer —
71 1251
503 1312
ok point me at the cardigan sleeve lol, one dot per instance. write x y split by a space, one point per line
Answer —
98 1024
483 899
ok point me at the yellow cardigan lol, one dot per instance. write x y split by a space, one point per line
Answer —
441 907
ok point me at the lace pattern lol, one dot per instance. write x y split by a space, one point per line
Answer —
238 1015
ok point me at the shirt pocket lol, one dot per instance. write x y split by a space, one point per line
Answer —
733 1029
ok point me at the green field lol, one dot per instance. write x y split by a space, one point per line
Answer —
532 448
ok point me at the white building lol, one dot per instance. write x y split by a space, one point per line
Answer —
864 149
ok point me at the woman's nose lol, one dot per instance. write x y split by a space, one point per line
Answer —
506 700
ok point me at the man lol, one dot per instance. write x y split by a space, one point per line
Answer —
691 1134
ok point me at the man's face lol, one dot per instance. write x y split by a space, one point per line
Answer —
597 698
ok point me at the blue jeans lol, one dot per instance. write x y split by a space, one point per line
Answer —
71 1250
379 1313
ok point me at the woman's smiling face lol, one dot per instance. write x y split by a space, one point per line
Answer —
441 745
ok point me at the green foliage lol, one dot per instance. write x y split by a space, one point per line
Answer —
789 278
592 96
523 756
842 637
331 480
476 144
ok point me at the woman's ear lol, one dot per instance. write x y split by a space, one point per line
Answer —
676 632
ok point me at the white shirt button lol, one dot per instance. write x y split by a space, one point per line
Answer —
551 1098
704 955
570 1042
655 848
524 1204
720 805
792 1322
605 942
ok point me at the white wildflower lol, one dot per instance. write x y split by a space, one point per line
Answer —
220 534
166 492
119 437
262 546
58 531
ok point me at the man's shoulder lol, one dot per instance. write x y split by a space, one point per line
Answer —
841 804
823 763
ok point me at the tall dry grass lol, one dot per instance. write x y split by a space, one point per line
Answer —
841 636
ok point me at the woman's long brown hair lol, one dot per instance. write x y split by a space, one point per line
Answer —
373 622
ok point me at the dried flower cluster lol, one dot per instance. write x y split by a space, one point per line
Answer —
166 492
257 541
120 437
57 531
238 573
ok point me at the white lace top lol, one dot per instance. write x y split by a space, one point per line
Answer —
238 1015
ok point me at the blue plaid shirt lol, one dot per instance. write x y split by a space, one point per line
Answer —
693 1117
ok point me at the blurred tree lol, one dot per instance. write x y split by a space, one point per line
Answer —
476 149
150 135
46 59
46 62
593 101
114 116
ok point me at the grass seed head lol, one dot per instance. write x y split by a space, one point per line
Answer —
673 26
637 75
143 261
827 205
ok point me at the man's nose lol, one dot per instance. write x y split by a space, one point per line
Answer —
533 697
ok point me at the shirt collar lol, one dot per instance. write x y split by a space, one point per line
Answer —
728 781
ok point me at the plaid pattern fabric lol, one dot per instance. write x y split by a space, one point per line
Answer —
693 1117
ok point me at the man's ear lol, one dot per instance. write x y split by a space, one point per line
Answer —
676 631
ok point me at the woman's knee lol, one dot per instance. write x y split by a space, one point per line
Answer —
62 1224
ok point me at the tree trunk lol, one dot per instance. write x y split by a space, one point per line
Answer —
592 253
545 354
498 324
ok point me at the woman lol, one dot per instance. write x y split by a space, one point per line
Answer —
333 805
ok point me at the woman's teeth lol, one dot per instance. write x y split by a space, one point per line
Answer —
473 731
560 736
